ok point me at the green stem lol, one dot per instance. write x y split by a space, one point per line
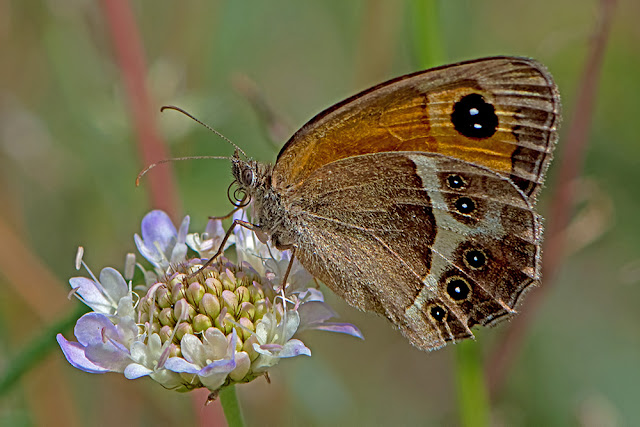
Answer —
472 393
37 349
231 406
428 44
473 402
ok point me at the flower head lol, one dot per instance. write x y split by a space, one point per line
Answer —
190 325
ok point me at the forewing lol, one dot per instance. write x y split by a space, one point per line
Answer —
414 113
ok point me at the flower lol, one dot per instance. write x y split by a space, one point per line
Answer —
161 244
192 325
208 243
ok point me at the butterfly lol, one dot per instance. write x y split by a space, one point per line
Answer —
415 199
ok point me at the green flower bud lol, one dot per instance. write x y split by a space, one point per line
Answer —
246 329
247 310
163 297
166 317
182 329
209 305
243 294
183 311
214 286
165 333
195 291
201 323
230 300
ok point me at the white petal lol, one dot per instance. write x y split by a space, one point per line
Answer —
193 350
135 370
243 363
292 322
113 284
216 344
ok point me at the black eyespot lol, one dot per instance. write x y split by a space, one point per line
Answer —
475 258
474 117
458 288
465 205
437 313
455 182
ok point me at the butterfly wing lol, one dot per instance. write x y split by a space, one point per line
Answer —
433 243
498 112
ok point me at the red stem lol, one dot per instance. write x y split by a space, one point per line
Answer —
130 57
129 54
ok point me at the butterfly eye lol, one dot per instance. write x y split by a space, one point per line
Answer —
465 205
247 177
437 313
474 117
458 288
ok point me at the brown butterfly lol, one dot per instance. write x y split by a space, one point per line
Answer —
415 199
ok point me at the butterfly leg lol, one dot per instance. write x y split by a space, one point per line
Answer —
227 215
286 274
220 251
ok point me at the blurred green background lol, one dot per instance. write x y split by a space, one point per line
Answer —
68 161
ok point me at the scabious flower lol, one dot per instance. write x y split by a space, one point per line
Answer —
189 327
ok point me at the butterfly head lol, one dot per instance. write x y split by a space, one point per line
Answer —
251 176
269 215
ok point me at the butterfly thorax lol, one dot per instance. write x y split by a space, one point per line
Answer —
269 214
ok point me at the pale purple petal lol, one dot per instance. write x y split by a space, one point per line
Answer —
184 229
158 233
74 352
157 227
148 251
135 370
314 312
91 293
312 294
343 328
218 367
113 284
245 239
179 251
90 327
294 348
268 348
214 229
178 364
107 355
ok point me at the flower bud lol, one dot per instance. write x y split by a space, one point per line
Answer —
209 305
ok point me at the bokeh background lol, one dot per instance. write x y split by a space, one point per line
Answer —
69 156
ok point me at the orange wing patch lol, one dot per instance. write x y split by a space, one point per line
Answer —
414 113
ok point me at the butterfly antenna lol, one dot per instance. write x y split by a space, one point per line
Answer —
176 159
172 107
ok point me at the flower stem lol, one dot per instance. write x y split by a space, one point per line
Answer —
428 45
473 403
34 352
231 406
